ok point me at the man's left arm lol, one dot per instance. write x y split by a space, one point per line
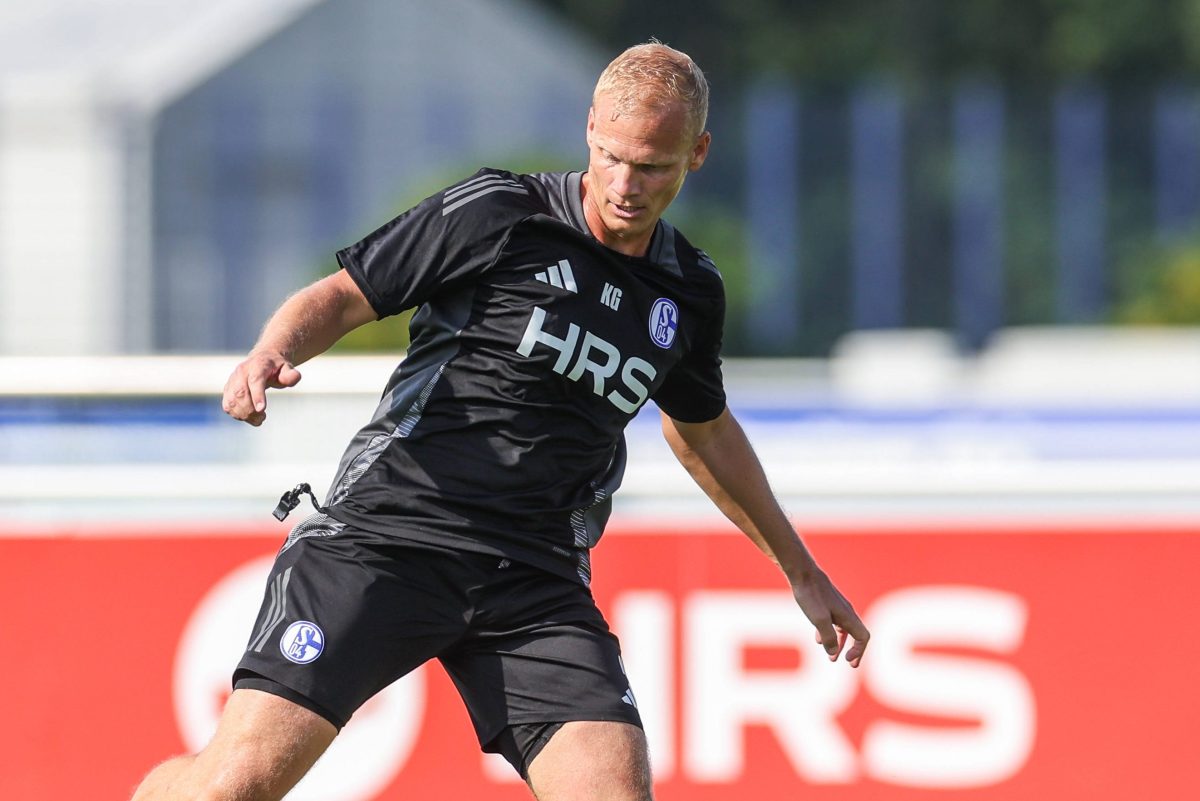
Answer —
719 457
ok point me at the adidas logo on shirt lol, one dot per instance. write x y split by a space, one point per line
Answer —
559 275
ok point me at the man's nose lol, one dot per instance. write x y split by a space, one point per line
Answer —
625 182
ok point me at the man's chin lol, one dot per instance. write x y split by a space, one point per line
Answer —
625 227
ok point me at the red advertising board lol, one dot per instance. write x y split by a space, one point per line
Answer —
1006 664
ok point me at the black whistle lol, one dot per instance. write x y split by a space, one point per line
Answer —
291 499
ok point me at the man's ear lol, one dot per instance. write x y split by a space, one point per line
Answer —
591 125
700 151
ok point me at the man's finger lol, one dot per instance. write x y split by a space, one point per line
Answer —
854 626
236 401
839 633
827 636
858 640
258 392
229 394
855 654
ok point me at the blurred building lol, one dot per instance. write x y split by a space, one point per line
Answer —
169 171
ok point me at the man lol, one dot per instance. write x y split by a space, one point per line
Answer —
550 309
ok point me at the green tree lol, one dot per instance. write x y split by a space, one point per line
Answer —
919 40
1161 285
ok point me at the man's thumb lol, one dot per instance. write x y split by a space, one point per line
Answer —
288 376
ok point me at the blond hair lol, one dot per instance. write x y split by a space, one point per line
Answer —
655 76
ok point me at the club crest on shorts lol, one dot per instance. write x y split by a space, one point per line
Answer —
664 321
303 642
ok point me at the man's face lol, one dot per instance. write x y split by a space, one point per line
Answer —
636 167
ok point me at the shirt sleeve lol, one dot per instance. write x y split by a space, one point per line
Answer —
446 240
694 391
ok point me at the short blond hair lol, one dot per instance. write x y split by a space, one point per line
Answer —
655 76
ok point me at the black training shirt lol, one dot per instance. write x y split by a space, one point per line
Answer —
533 346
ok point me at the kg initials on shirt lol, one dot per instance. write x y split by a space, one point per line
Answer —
611 296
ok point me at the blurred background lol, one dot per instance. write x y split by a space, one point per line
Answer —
961 246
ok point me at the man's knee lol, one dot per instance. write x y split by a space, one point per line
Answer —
593 761
157 784
264 744
191 778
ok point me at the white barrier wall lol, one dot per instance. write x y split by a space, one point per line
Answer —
1071 422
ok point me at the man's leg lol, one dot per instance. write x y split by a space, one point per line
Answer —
263 746
593 761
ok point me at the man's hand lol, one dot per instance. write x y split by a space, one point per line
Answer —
307 324
833 616
720 459
245 395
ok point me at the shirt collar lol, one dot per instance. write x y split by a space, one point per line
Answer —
662 244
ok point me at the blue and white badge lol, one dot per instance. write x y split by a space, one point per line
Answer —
303 642
664 321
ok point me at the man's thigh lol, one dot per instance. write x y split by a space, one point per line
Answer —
345 614
538 654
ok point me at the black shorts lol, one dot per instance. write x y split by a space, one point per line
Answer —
348 612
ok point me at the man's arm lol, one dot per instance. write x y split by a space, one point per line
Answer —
720 459
307 324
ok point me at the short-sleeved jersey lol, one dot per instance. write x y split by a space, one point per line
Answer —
532 348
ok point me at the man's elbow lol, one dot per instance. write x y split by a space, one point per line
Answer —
696 435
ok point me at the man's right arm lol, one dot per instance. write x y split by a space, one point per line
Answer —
307 324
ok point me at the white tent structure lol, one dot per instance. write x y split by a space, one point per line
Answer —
115 234
80 84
